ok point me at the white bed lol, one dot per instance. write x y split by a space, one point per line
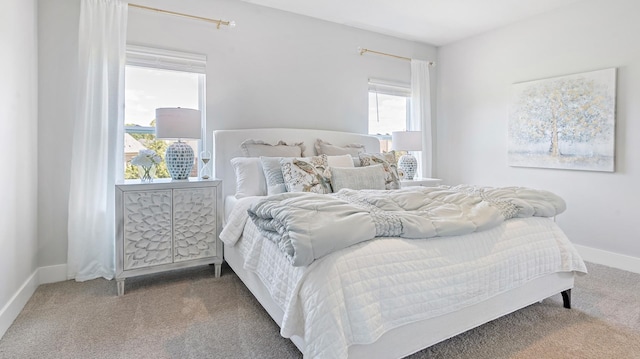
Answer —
399 340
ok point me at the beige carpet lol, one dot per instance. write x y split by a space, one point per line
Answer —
190 314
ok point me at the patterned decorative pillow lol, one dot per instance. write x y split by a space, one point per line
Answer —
306 174
389 163
254 148
326 148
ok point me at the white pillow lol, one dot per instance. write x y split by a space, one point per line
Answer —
250 179
370 177
340 161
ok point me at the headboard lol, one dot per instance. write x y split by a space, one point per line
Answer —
226 145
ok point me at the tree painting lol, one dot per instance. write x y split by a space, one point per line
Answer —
564 122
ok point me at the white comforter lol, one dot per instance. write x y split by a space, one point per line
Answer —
308 226
354 295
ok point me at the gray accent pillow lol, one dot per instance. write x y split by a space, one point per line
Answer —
370 177
389 163
273 175
257 148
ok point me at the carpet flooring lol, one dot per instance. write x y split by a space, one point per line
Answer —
190 314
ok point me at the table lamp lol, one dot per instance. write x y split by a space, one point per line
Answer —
178 123
407 141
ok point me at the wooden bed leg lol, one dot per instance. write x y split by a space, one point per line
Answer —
566 298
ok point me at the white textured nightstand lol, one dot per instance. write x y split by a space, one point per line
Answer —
424 182
165 225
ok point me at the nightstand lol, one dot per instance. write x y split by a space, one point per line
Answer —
165 225
424 182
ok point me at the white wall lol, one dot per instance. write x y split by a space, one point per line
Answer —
19 139
275 69
475 76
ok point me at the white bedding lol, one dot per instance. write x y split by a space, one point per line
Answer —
307 226
229 203
355 295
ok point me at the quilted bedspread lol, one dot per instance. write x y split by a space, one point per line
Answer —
355 295
308 226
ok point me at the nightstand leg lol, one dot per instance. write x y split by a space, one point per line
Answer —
217 270
120 284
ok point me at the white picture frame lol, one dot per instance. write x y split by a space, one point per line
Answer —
565 122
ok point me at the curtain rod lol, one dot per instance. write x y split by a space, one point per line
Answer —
215 21
363 51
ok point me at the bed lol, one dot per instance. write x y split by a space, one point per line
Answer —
319 305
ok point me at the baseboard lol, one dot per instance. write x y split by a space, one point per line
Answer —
11 310
609 259
52 274
42 275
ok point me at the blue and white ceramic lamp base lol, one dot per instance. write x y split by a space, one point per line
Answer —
408 164
179 158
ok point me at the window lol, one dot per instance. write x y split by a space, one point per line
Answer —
389 110
157 78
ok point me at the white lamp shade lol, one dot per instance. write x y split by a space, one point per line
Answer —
178 123
406 140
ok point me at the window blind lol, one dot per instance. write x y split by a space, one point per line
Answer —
166 59
389 87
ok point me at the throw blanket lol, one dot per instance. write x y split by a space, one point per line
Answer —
308 226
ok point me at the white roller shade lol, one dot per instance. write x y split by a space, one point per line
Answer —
166 59
389 87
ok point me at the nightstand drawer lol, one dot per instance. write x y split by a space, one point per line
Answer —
194 223
147 228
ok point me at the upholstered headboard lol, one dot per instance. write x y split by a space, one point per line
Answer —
226 145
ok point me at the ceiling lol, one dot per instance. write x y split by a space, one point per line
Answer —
435 22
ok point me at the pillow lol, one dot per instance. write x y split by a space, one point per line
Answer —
340 161
273 170
250 179
273 175
253 148
326 148
306 174
370 177
388 161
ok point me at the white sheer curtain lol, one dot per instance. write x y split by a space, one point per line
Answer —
420 119
97 139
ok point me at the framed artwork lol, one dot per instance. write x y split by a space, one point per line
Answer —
565 122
